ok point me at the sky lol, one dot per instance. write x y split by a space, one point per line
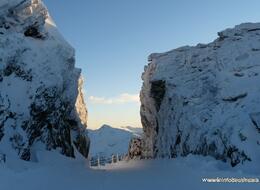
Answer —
113 39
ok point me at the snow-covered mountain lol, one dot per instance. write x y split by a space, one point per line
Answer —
41 102
205 99
107 141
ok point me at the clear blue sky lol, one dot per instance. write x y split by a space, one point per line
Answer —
113 38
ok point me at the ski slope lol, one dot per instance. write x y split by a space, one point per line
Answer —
55 172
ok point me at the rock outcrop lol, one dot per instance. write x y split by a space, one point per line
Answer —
205 99
41 102
135 148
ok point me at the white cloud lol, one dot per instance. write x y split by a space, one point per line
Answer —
120 99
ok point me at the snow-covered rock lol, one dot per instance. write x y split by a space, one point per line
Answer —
41 102
135 148
107 141
205 99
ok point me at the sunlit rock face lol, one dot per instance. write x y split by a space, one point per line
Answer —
205 99
135 148
41 101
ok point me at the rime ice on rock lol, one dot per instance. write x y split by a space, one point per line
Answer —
41 102
205 99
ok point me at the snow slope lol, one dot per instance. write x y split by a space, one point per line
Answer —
54 172
204 100
107 140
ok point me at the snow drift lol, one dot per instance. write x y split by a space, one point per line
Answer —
205 99
41 102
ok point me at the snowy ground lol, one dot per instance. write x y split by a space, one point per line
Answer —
55 172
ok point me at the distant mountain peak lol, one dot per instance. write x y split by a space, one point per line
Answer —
108 140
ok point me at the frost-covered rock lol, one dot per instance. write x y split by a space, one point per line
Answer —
41 102
205 99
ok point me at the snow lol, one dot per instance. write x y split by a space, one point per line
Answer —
135 130
50 62
57 172
5 3
37 68
210 92
107 140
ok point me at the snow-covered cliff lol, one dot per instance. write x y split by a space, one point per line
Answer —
205 99
41 102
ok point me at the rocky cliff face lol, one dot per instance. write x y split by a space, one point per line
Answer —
205 99
41 102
